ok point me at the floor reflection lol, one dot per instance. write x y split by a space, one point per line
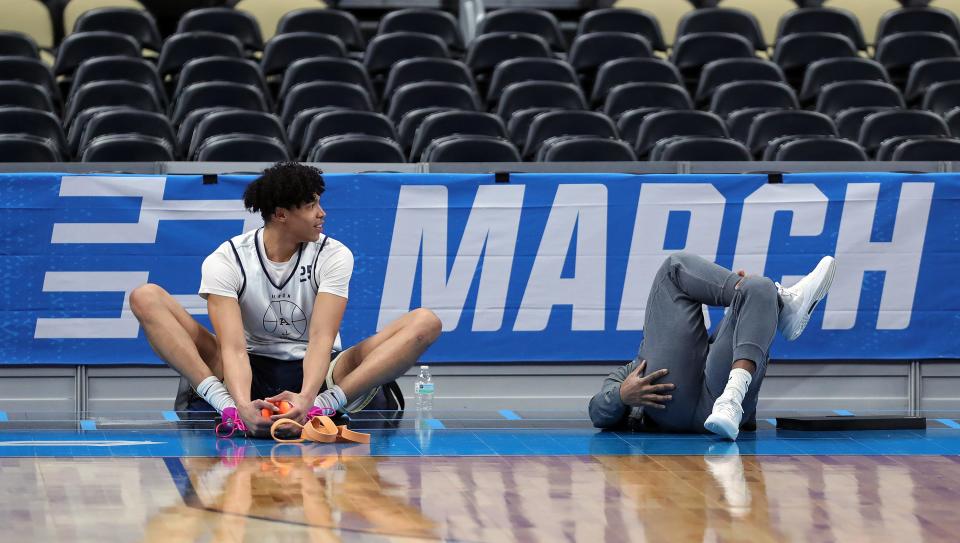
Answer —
305 493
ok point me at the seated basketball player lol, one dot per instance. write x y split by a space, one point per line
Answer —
276 297
714 381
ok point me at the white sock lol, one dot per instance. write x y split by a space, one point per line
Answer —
213 391
737 384
333 398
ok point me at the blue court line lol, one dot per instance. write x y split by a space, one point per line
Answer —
843 412
88 425
171 416
948 422
509 415
3 416
436 424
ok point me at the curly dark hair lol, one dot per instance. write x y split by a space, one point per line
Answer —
285 184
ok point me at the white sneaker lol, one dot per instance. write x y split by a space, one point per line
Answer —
725 418
801 299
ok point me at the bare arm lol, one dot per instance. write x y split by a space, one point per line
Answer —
228 324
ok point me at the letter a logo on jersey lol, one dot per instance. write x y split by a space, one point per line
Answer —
285 319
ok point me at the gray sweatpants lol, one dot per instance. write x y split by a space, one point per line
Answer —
674 336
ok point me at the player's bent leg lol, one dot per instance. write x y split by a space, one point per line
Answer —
175 336
386 355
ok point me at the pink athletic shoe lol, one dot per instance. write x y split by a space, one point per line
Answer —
231 423
318 411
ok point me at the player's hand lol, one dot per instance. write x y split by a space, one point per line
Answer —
299 406
638 390
257 426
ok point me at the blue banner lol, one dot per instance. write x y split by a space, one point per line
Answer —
546 267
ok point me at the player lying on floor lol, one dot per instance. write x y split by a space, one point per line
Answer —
276 296
713 381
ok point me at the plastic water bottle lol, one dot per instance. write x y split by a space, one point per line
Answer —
424 390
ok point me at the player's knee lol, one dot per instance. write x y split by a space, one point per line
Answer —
428 325
756 286
144 297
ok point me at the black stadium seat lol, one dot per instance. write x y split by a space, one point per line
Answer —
386 50
33 122
186 128
666 124
890 145
217 94
518 125
127 148
488 50
178 49
888 124
899 52
333 22
119 68
236 23
540 94
17 44
774 124
343 70
26 148
632 70
850 120
585 149
127 121
698 148
517 70
77 48
242 148
447 123
831 70
410 123
634 21
822 19
928 150
136 23
953 121
727 20
691 52
431 94
913 19
795 52
416 70
356 148
517 19
942 97
111 93
820 149
738 95
324 94
426 21
554 124
646 96
590 51
339 122
284 49
729 70
218 123
740 121
29 70
926 73
229 69
836 97
471 149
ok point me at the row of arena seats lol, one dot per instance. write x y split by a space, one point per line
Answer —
673 16
436 134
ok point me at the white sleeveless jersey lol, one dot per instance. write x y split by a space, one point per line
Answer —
276 313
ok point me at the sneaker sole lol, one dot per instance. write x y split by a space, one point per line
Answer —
819 295
720 429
